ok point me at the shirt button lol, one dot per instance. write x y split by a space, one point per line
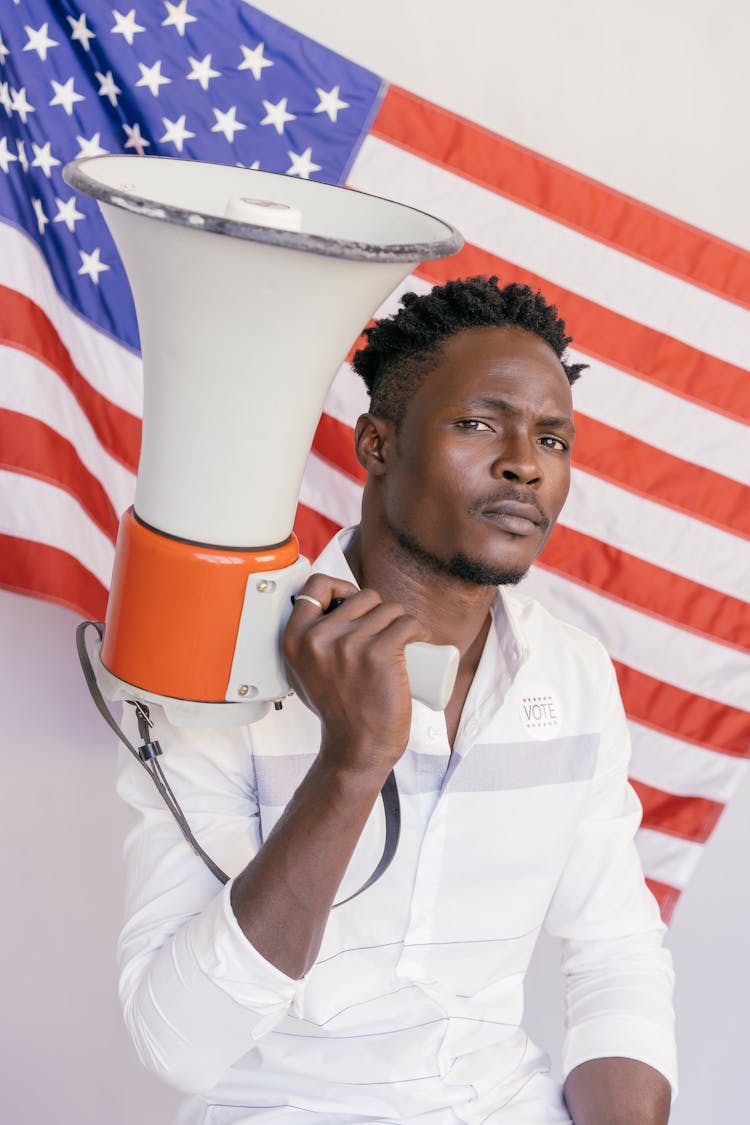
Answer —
434 732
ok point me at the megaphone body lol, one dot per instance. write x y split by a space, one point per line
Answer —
249 289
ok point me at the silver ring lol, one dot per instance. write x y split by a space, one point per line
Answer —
308 598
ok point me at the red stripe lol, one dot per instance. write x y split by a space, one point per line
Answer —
53 575
334 442
313 530
30 447
633 582
569 197
642 468
681 714
689 818
616 340
665 895
25 326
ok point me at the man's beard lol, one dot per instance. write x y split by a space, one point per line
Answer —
457 566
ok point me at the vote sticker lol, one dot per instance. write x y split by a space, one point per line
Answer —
540 713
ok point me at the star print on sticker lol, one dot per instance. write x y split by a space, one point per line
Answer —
135 140
227 123
66 96
92 265
277 115
80 32
302 164
4 52
202 71
90 147
41 218
126 26
330 102
253 60
43 158
6 157
152 77
178 16
39 41
23 159
176 133
20 104
107 87
67 213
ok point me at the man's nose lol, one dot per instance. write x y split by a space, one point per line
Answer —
518 460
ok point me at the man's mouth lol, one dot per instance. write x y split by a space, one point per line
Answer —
516 516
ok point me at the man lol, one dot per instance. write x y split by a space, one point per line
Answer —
404 1004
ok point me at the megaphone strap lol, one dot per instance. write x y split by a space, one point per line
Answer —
150 751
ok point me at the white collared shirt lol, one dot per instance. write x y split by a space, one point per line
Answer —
414 1005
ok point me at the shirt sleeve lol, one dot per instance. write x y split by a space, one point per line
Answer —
618 975
196 995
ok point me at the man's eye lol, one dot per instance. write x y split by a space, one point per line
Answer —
472 424
555 443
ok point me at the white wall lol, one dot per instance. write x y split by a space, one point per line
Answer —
650 96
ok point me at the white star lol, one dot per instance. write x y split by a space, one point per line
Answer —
23 159
5 98
135 140
302 164
253 60
176 132
80 31
6 157
39 41
90 147
67 213
277 115
107 87
3 51
20 104
92 266
202 71
43 158
178 16
41 218
66 96
226 123
152 77
330 102
126 25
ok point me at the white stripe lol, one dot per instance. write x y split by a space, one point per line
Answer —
667 421
32 509
330 492
565 257
659 535
658 649
681 767
29 387
107 365
668 859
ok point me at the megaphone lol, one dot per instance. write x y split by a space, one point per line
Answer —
249 289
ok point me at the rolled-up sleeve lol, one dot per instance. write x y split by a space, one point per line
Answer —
618 975
196 995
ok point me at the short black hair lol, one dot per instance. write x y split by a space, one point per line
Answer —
401 349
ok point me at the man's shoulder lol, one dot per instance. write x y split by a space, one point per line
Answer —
543 630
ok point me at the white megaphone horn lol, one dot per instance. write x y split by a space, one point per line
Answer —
249 289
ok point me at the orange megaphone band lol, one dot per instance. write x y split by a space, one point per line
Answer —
174 610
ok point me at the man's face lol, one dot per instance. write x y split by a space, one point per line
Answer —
480 466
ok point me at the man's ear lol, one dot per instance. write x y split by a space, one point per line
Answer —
372 441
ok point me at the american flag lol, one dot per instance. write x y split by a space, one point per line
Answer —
651 550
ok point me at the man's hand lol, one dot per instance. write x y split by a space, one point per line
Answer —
617 1091
349 667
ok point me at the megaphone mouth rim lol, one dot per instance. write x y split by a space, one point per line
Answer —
76 176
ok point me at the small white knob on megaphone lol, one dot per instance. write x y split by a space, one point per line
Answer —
264 213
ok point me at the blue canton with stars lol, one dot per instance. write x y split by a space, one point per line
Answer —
213 80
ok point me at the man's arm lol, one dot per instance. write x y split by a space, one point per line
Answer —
617 1091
